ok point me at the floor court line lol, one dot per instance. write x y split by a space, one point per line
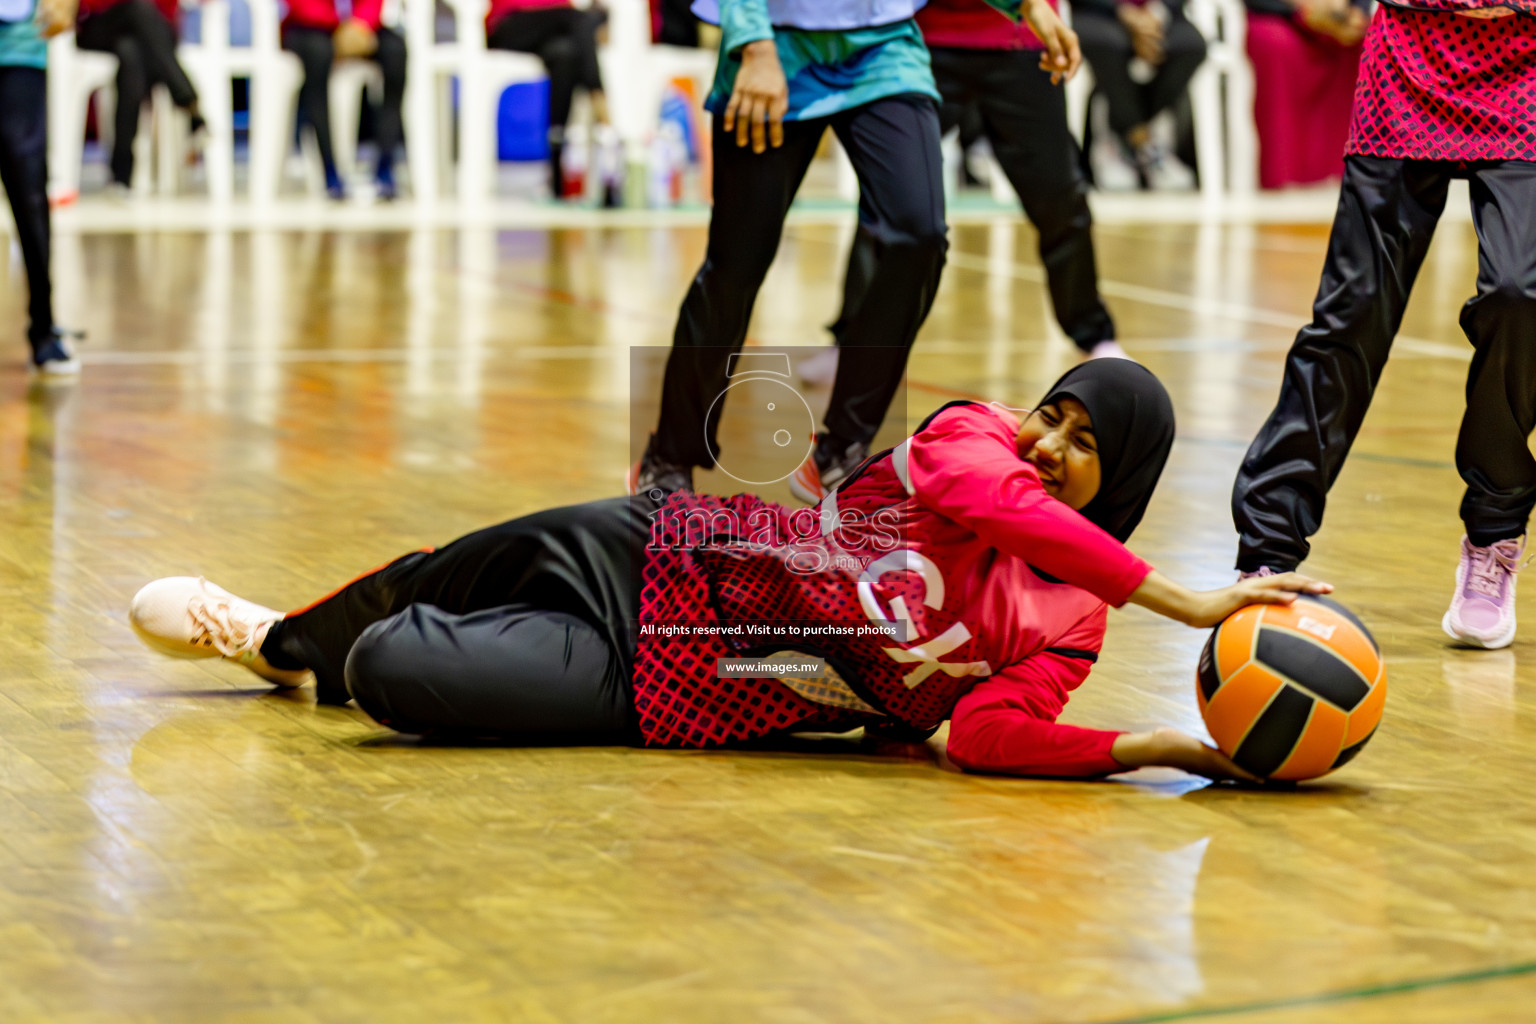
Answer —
1179 301
1330 998
400 355
1205 307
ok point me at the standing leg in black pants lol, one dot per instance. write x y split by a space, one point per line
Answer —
1493 453
1386 218
1026 121
753 192
24 174
1388 210
1024 116
316 52
894 146
565 39
145 46
391 59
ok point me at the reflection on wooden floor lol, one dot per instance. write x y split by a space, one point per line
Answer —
280 410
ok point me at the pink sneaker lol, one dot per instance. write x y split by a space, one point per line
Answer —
1262 570
1482 612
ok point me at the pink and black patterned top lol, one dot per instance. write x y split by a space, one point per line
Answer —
949 536
1435 85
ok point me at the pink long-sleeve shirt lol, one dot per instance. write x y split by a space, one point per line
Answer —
996 594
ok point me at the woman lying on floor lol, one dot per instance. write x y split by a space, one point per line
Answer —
965 574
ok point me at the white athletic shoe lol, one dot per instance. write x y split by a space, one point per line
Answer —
188 617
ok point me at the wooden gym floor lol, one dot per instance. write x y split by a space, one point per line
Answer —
279 410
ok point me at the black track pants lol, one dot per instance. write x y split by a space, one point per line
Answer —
24 174
526 630
1024 117
1387 214
893 144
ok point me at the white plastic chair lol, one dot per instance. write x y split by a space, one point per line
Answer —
1230 163
431 68
207 64
351 80
73 75
637 71
275 76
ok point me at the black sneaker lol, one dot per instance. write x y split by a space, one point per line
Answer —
53 356
827 466
652 473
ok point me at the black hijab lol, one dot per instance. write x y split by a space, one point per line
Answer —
1133 425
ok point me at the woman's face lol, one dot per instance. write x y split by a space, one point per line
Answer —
1057 439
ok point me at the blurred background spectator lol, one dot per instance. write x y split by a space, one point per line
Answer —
673 23
141 34
1305 56
1143 56
565 39
315 31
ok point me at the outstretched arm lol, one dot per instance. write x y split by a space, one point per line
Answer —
1007 724
1170 748
1205 608
965 466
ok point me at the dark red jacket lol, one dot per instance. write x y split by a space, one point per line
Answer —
973 25
501 8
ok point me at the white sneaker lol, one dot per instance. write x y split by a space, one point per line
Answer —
188 617
55 357
1162 170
